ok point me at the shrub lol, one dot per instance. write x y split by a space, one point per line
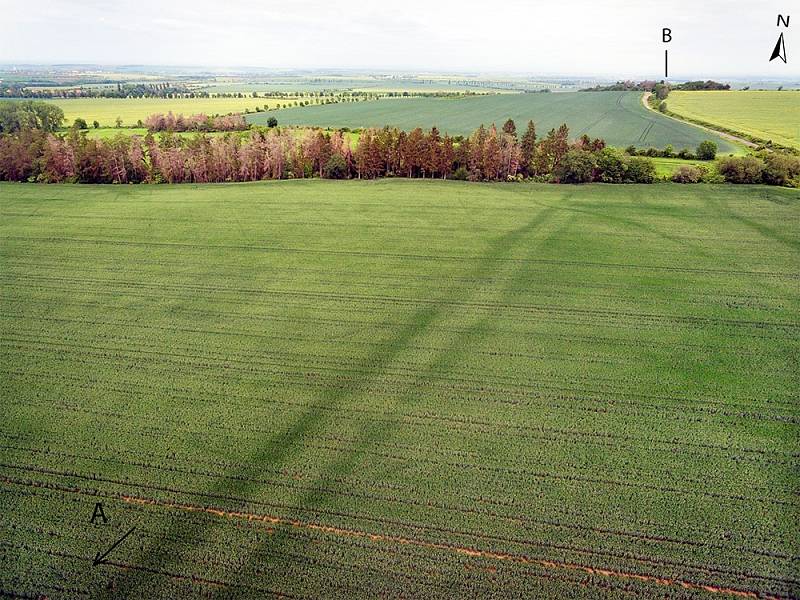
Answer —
712 176
669 151
272 122
686 154
460 174
662 107
80 124
96 124
687 174
630 150
707 150
613 165
780 169
578 166
641 170
746 169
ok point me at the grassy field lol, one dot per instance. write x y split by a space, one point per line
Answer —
666 167
106 110
617 117
767 115
349 389
105 133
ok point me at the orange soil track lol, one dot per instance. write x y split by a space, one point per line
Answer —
377 537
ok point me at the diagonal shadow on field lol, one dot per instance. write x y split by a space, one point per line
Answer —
771 233
442 360
165 552
681 242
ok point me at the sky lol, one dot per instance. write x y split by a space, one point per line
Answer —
730 38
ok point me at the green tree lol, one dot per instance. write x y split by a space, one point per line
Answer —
29 114
707 150
335 167
510 128
577 166
80 124
613 165
96 124
272 122
641 170
528 149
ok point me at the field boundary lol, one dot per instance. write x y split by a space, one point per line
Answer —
729 135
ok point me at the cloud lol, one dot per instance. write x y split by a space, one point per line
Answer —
579 37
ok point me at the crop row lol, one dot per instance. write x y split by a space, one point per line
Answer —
629 344
421 283
476 307
290 480
38 240
419 418
472 551
341 376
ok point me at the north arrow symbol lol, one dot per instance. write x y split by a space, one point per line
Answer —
779 51
100 559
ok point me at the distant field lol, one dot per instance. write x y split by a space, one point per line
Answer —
112 132
321 389
105 133
617 117
768 115
106 110
373 84
665 167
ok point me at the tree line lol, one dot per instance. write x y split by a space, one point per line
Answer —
652 85
120 90
489 154
31 151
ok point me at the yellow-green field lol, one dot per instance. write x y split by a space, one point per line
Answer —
104 133
767 115
130 110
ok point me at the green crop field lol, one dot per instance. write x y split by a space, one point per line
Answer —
767 115
617 117
400 389
130 110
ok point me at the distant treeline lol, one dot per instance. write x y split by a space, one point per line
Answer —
486 155
121 90
649 86
25 90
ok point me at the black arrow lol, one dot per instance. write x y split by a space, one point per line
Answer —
99 559
780 50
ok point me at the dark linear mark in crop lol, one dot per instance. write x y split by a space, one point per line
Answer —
276 450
